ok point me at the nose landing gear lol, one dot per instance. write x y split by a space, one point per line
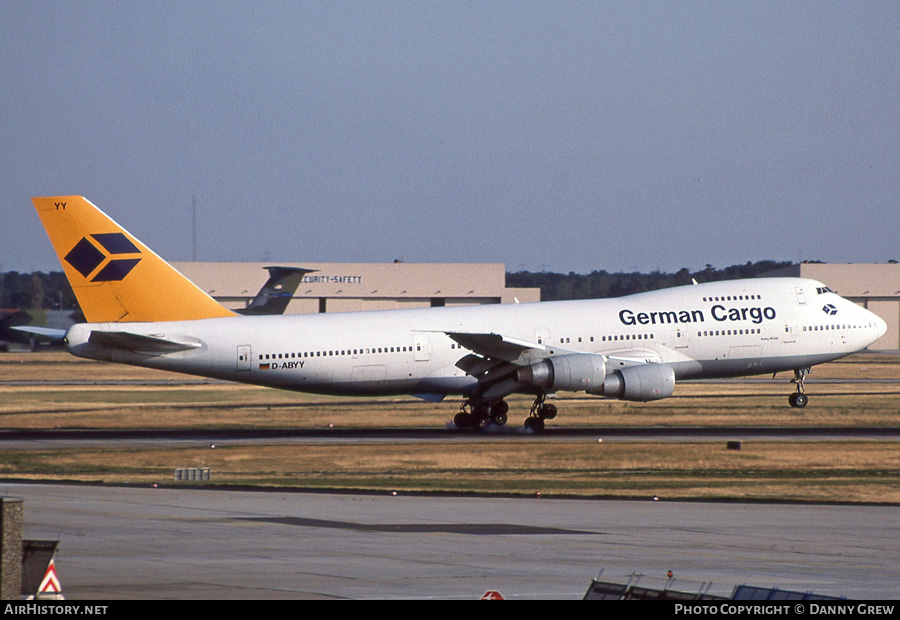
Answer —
799 399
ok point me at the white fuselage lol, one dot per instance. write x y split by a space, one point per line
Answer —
730 328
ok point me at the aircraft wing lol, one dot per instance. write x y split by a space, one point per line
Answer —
497 346
141 343
496 358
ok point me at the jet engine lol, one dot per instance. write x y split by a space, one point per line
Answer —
573 373
642 383
587 373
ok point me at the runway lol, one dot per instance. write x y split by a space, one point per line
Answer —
128 542
59 439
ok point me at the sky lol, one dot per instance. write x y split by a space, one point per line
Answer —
549 136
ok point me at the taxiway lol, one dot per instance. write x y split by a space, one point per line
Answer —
127 542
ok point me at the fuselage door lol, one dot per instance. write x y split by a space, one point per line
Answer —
423 348
243 357
790 332
682 337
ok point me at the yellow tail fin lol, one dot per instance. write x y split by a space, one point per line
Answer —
116 277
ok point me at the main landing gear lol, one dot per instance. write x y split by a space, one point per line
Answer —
479 414
799 399
540 411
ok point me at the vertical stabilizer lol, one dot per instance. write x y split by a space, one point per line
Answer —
116 277
277 292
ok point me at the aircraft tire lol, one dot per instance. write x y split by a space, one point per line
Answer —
499 413
798 400
534 424
548 412
462 420
481 417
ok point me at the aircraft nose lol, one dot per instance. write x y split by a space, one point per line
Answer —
881 326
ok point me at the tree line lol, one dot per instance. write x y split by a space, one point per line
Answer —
51 291
35 291
601 284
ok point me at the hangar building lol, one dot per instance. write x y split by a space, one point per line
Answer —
346 287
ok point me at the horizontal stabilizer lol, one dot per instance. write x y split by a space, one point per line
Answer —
42 332
141 343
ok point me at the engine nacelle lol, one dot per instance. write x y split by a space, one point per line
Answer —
573 373
641 383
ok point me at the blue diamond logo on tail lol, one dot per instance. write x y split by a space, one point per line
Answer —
86 257
116 270
116 243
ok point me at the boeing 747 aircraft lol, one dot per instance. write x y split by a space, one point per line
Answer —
141 311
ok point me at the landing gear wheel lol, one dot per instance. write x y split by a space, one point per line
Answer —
534 424
481 416
798 400
540 411
548 412
462 420
499 413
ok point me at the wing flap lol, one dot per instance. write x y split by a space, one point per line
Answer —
475 365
